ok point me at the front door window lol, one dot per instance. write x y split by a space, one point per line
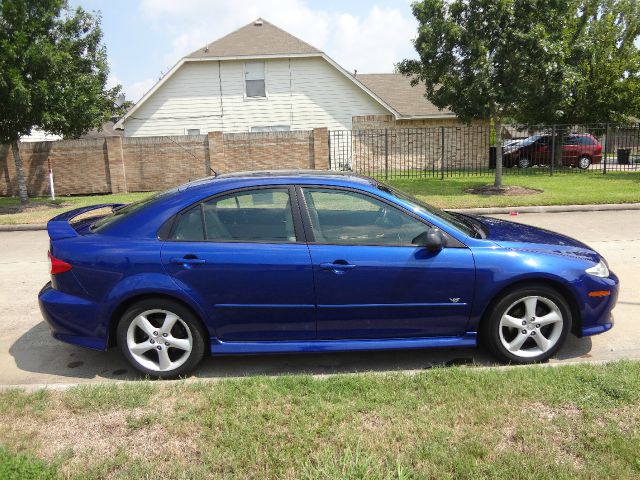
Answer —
342 217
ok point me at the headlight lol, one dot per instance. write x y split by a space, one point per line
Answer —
599 270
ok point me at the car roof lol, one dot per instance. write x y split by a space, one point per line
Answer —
288 175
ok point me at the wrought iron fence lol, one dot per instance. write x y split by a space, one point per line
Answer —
467 150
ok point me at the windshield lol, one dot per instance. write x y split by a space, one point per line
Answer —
456 222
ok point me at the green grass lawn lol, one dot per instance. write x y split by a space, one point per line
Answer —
562 189
458 422
42 209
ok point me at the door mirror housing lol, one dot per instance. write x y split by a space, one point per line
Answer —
432 239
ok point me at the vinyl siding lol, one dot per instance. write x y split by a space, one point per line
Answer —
303 93
189 99
324 97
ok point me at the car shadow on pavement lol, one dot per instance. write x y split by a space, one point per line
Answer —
47 359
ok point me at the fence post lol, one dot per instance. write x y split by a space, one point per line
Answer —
386 154
329 155
607 144
115 161
320 149
217 158
442 153
553 148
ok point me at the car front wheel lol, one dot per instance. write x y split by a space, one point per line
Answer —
527 325
161 338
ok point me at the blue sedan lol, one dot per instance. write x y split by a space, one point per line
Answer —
274 262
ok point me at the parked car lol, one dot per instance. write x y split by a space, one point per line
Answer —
578 150
256 263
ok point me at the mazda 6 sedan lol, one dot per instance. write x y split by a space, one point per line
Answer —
275 262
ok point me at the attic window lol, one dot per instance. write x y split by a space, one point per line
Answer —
254 79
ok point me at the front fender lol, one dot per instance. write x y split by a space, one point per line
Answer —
499 269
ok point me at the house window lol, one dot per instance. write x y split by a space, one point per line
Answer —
193 131
271 128
254 79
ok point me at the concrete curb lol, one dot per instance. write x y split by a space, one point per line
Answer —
549 208
23 227
33 387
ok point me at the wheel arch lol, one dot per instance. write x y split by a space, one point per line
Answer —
564 290
122 307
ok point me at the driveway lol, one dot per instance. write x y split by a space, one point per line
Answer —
29 355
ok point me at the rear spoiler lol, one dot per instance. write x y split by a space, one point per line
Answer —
59 227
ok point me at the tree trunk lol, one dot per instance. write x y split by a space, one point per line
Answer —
22 185
498 134
558 141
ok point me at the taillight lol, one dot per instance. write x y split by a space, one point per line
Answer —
58 266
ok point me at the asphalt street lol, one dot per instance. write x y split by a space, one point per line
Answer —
29 356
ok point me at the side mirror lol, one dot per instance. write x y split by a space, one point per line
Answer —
432 239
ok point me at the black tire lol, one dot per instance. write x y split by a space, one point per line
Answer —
493 333
187 328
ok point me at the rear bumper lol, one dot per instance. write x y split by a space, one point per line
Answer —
72 319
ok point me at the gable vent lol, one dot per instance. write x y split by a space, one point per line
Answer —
258 23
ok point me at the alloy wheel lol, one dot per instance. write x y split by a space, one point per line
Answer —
584 163
159 340
524 162
531 326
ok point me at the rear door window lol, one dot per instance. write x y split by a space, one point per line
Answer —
586 141
260 215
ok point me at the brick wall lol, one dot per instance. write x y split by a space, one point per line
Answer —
380 142
264 151
80 166
116 164
158 163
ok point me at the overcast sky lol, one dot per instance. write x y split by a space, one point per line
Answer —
147 37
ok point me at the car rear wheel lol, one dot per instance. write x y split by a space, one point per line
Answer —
161 338
524 162
584 163
527 325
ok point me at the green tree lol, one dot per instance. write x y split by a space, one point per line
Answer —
533 61
53 73
601 74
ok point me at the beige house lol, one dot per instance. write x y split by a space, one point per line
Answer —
260 78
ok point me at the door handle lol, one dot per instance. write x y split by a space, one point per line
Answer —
188 260
337 268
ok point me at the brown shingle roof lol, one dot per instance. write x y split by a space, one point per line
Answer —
107 130
257 38
396 90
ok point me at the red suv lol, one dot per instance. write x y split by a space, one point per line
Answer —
578 150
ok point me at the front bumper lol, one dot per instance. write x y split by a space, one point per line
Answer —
72 319
596 311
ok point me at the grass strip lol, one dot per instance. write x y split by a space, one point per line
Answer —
580 421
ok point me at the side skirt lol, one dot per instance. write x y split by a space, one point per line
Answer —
219 347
